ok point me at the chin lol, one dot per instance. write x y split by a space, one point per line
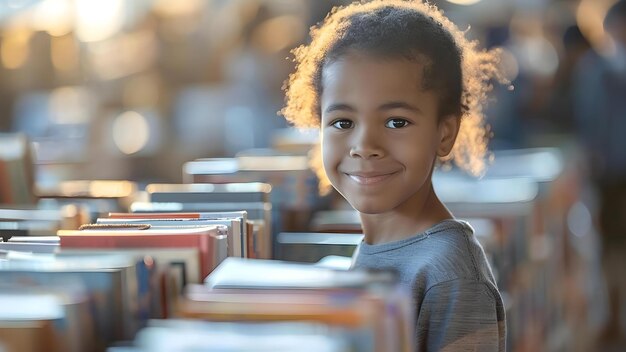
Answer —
370 208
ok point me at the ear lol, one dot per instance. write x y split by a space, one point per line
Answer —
448 127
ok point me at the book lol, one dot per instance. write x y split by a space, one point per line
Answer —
260 290
19 322
35 221
475 198
258 274
260 213
194 335
235 240
310 247
187 259
35 239
294 185
256 211
118 287
174 267
295 194
210 241
64 304
29 247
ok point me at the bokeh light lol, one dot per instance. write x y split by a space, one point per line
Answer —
130 132
98 19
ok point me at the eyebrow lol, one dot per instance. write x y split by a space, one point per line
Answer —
339 107
399 105
386 106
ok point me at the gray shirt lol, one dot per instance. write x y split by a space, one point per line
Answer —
458 304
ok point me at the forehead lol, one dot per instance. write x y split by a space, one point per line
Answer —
361 77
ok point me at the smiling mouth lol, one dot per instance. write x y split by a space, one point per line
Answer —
370 180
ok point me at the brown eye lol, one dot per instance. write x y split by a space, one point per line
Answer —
343 124
397 123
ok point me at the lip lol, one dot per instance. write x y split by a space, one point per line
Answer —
369 178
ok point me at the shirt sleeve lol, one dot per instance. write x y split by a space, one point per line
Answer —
461 315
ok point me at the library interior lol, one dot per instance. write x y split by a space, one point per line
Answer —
153 196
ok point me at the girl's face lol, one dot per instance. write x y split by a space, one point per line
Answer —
380 132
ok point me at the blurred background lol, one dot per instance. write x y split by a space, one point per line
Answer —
138 90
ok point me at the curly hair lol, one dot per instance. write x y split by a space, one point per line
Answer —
455 68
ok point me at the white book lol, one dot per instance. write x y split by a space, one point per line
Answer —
273 274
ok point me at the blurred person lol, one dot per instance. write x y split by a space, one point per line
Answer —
600 110
259 63
394 86
561 106
505 118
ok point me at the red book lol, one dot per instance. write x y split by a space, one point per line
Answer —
210 241
154 215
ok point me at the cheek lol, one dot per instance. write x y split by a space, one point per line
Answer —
330 154
333 154
415 151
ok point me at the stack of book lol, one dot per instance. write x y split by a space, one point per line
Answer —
84 302
50 320
209 241
334 310
250 198
129 273
37 221
295 186
295 192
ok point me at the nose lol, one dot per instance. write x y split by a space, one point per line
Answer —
366 145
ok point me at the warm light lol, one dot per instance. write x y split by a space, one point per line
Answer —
114 189
276 163
131 132
96 189
14 50
464 2
141 91
53 16
16 4
177 8
590 18
98 19
279 33
69 210
127 54
70 105
64 53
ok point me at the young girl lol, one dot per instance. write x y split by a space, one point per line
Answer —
394 87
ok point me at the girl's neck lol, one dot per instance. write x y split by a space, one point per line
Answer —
410 218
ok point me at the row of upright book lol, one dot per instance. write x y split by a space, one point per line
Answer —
186 263
96 299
